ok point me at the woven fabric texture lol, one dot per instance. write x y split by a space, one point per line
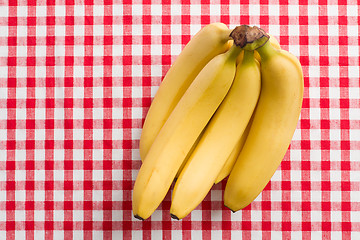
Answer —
77 78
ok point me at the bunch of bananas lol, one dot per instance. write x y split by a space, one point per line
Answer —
223 109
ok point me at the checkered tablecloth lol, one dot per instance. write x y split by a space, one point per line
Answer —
76 81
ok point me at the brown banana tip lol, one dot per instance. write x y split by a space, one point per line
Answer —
262 34
138 217
174 216
230 209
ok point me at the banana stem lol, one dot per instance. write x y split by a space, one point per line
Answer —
266 51
248 56
234 51
249 38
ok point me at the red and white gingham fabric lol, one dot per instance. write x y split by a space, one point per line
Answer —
76 81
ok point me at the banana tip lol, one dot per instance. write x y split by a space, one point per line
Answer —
230 209
138 217
174 216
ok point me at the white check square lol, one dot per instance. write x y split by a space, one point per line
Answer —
215 9
175 9
254 9
39 234
60 10
39 215
315 216
137 9
19 234
332 10
41 11
20 196
97 195
20 135
296 196
58 196
21 11
39 175
98 10
335 196
78 215
352 11
21 51
39 195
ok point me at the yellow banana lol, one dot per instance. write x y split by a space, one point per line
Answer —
219 139
209 42
274 123
226 169
180 131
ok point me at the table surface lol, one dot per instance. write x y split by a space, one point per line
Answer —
76 81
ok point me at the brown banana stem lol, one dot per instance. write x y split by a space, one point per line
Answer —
249 38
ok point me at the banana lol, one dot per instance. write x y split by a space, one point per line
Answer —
219 139
226 169
180 131
274 123
209 42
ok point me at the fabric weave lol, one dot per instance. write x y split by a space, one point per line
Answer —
77 78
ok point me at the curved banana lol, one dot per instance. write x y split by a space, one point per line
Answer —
225 171
274 123
177 136
219 139
209 42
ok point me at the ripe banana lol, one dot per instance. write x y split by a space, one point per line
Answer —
274 123
180 131
209 42
219 139
225 171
